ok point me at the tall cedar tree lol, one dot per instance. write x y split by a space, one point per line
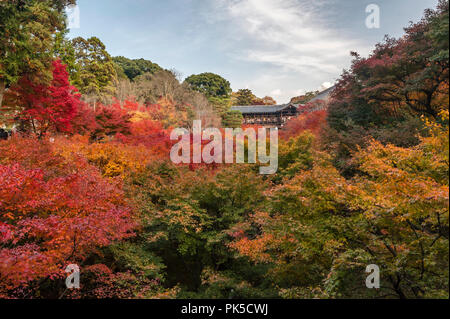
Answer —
27 30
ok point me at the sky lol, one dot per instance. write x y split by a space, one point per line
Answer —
280 48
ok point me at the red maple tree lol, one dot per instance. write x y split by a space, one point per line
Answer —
43 108
46 224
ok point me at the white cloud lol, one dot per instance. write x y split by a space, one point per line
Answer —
276 93
325 85
290 34
299 92
285 44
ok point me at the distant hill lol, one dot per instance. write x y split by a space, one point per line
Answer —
134 68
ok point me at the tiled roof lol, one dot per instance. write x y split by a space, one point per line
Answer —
324 95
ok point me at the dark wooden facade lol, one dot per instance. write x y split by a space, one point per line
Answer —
278 115
267 116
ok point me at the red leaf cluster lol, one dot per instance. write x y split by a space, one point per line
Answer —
46 224
43 108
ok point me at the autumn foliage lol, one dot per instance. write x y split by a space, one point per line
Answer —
49 219
364 179
43 108
311 121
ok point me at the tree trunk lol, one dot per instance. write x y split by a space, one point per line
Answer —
2 91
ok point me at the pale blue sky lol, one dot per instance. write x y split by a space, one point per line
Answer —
273 47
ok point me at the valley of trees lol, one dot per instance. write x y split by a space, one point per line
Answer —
86 176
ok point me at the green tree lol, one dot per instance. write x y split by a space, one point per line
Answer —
321 231
210 84
27 30
220 105
232 119
134 68
64 50
189 217
245 97
96 74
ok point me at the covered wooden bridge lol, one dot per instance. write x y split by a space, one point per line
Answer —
267 116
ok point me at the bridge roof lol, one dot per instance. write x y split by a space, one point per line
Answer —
324 95
261 108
